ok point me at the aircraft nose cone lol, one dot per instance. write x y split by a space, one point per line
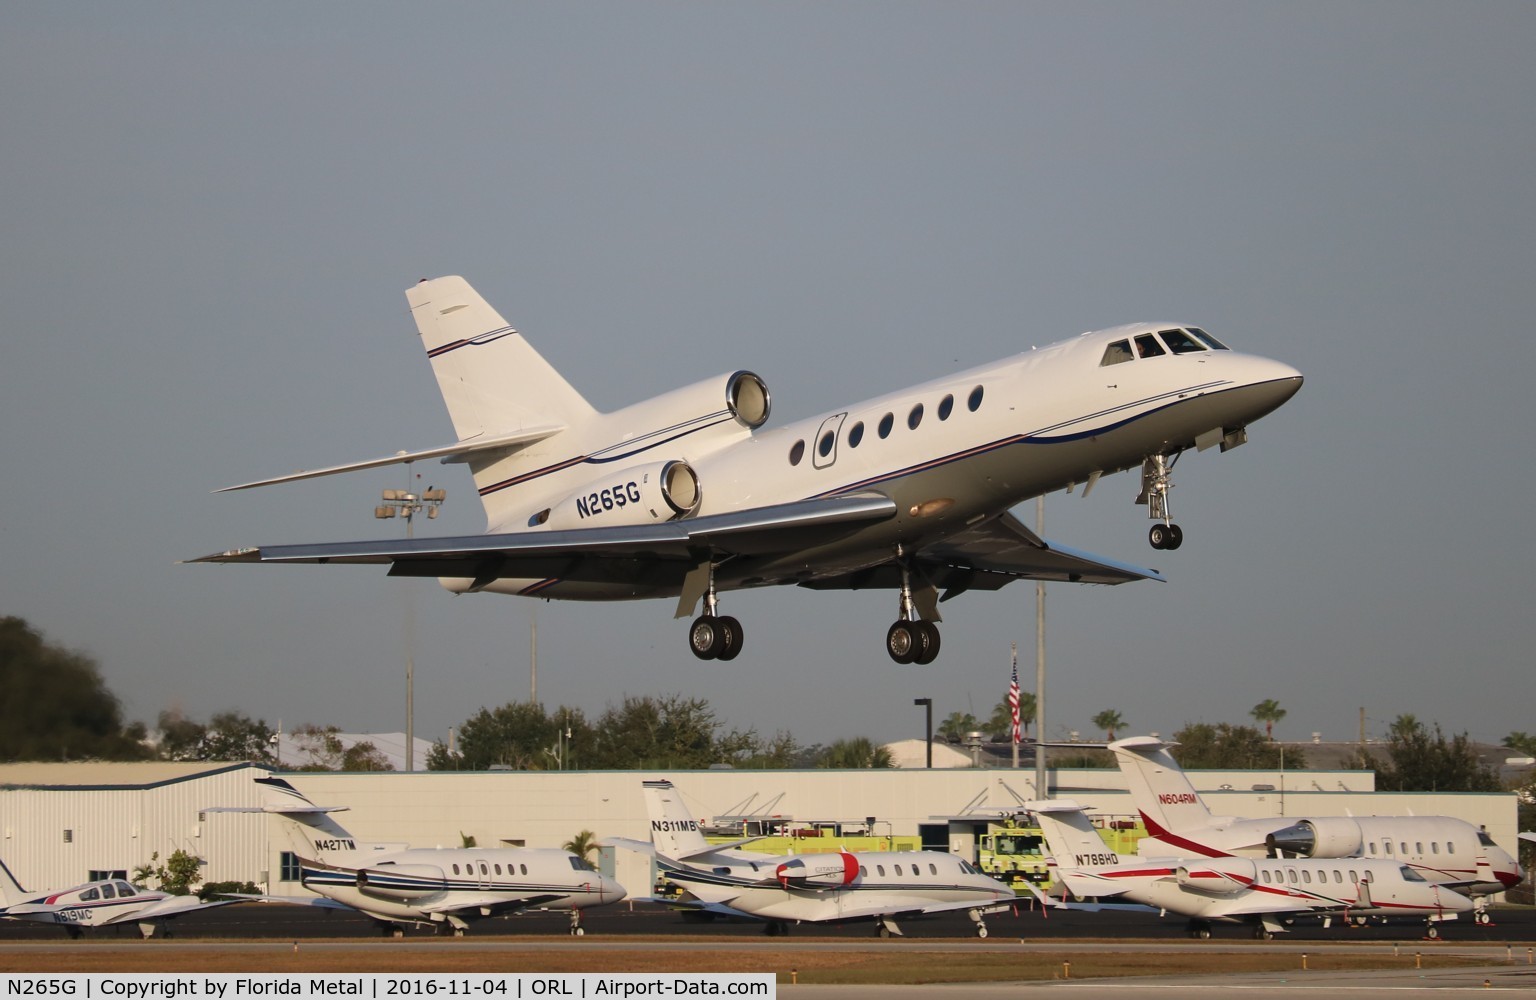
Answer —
610 891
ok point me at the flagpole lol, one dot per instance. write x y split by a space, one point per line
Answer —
1013 703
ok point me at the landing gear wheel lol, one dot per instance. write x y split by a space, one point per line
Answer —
1432 932
1166 536
706 638
883 931
1175 536
1262 933
730 629
1485 918
578 932
903 642
981 932
928 641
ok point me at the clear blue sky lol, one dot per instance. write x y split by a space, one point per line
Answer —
211 211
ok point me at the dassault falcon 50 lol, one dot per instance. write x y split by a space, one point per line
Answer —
690 493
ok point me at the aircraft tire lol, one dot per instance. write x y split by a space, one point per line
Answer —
705 637
730 630
928 642
902 642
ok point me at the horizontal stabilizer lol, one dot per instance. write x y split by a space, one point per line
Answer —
459 451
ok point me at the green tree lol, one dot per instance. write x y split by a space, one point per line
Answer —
582 845
1001 723
1109 720
175 876
181 738
1421 761
666 732
327 752
956 725
234 735
56 705
1202 745
857 752
1268 712
1523 743
515 735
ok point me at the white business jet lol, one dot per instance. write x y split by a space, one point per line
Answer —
689 493
443 888
1266 893
1444 850
723 880
102 903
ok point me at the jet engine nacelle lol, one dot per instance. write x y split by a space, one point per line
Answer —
401 883
662 491
1229 879
1333 837
823 871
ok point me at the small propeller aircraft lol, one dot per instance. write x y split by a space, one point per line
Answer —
103 903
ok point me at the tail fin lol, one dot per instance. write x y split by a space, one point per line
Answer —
1166 799
1070 835
11 891
674 832
307 829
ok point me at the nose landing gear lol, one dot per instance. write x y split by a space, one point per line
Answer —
1156 482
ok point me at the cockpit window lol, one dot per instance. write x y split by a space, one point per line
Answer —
581 864
1115 353
1180 342
1149 346
1202 335
1484 839
1409 875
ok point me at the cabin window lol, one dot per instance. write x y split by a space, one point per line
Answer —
946 406
1418 848
886 423
855 434
974 401
1180 342
1264 874
1450 847
523 869
1218 345
1372 852
89 895
108 892
932 869
1403 847
1306 876
915 417
1117 353
1148 347
796 452
455 869
880 869
1388 845
484 870
1434 847
498 869
1292 873
897 868
824 446
863 871
1338 877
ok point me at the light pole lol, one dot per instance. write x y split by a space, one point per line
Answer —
404 503
927 704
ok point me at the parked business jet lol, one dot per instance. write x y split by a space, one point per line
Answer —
1263 892
102 903
688 494
1444 850
813 888
444 888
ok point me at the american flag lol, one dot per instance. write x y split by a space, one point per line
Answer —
1013 694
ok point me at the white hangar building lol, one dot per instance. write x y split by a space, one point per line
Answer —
62 823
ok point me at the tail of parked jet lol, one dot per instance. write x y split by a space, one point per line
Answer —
1070 836
307 829
674 832
1167 801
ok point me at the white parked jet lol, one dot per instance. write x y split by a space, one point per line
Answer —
812 888
1445 850
1263 892
688 494
444 888
102 903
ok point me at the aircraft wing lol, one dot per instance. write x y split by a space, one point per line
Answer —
490 903
890 906
319 902
668 548
989 556
169 907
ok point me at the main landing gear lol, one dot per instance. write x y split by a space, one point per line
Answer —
911 639
713 636
1156 481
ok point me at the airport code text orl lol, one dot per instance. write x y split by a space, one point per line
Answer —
373 986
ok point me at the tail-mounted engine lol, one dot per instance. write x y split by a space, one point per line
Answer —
1333 837
822 871
662 491
401 883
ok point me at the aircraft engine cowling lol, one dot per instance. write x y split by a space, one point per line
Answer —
819 871
1334 837
1228 879
662 491
401 883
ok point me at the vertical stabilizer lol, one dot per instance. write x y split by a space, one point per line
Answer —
1070 836
11 891
1163 794
674 832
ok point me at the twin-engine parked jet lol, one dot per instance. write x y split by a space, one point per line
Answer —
688 494
1444 850
812 888
1265 893
444 888
96 904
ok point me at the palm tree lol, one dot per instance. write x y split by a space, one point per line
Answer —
957 725
860 751
1109 720
1002 716
582 845
1268 712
